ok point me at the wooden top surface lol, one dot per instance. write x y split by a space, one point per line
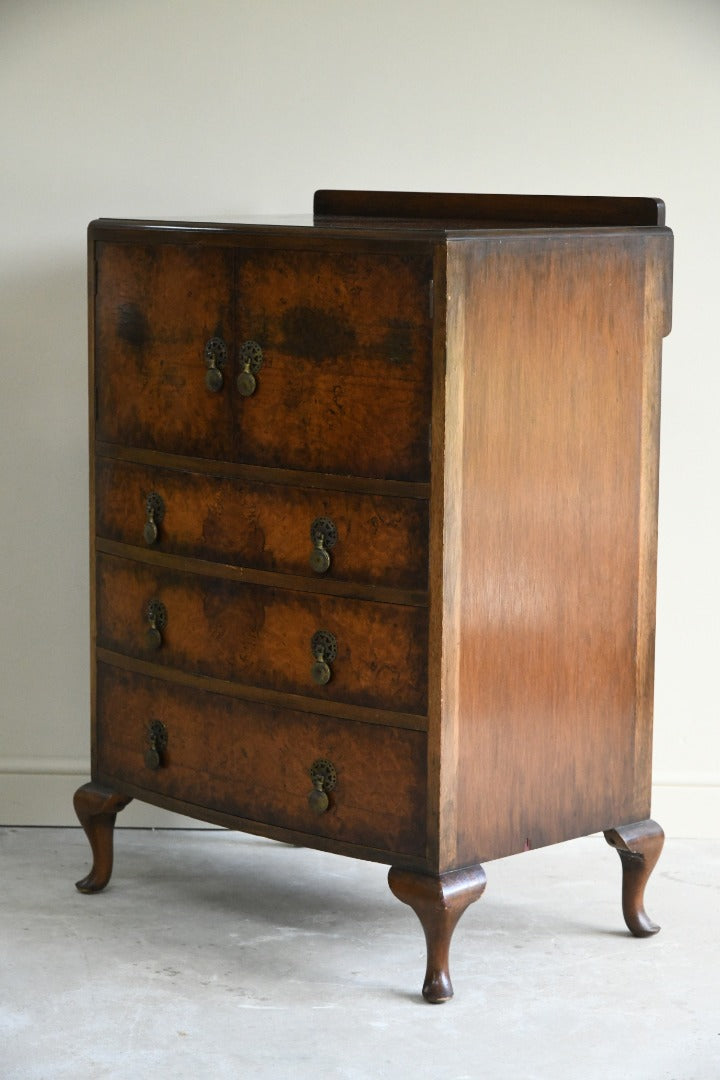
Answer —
426 215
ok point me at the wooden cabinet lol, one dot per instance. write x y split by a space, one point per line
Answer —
374 528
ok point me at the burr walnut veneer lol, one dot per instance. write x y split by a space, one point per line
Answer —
374 531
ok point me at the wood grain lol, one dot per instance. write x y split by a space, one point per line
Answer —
329 325
497 210
639 846
97 809
156 307
253 761
438 903
265 526
549 385
346 339
261 636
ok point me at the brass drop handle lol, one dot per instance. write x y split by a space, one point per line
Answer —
323 646
323 534
156 615
324 777
251 360
215 358
158 740
154 513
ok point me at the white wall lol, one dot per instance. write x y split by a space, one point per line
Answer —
214 107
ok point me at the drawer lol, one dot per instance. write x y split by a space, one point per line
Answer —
379 540
262 637
345 351
254 761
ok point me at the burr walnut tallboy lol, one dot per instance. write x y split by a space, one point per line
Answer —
374 529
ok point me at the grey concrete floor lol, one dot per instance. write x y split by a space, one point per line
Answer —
218 955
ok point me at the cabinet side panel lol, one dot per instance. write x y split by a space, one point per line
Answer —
556 455
658 308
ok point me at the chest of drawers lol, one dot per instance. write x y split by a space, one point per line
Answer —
373 507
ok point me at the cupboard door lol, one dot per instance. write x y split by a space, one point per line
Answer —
344 385
161 314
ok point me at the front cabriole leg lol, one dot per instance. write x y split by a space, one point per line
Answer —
97 808
438 902
639 848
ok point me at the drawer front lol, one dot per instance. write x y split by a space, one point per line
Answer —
254 761
262 636
345 344
379 540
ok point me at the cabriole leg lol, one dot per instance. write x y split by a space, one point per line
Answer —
639 848
438 902
97 808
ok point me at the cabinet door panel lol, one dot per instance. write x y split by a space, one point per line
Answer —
344 385
345 381
156 307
